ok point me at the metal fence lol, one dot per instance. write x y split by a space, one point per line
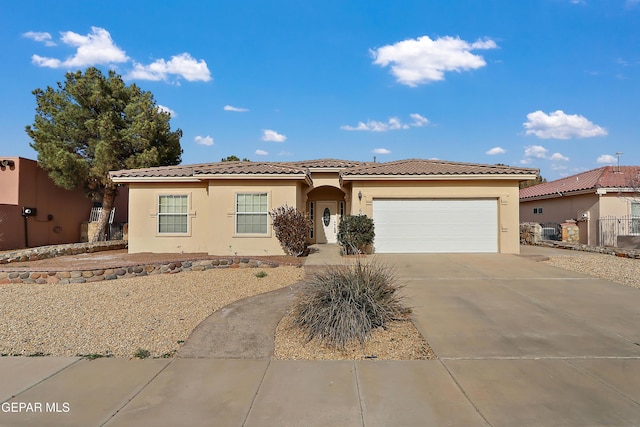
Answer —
95 214
610 227
551 231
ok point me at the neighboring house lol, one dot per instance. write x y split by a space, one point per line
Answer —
36 212
417 205
593 198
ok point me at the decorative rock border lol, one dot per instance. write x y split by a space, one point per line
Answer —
52 251
96 275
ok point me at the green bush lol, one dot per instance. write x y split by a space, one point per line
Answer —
355 233
345 304
292 228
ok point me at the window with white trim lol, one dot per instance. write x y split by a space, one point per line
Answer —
537 210
173 213
251 213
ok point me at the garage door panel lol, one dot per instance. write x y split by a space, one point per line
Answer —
458 225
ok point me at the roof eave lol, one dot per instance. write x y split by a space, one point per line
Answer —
132 179
559 195
456 177
298 177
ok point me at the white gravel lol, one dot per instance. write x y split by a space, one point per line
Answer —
118 317
617 269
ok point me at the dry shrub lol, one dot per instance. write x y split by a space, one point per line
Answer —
345 304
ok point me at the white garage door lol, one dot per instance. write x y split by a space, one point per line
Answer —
444 225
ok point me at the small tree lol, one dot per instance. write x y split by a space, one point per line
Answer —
292 228
92 124
355 233
234 158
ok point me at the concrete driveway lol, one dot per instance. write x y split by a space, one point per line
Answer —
520 343
527 343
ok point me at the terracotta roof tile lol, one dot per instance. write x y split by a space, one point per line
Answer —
434 167
326 163
248 168
604 177
349 168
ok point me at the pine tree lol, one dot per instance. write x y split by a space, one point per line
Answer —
91 124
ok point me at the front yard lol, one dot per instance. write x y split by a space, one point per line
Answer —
120 317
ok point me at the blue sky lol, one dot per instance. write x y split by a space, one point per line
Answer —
550 84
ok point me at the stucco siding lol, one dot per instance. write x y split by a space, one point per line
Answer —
143 218
223 238
59 212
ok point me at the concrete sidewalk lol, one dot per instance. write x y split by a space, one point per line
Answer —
520 343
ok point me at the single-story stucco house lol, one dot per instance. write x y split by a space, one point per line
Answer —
417 205
590 198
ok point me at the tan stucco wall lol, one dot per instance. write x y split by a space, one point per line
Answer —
222 215
505 193
143 220
212 217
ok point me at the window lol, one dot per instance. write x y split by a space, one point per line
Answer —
173 213
251 213
341 209
537 210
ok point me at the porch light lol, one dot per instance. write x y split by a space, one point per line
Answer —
360 195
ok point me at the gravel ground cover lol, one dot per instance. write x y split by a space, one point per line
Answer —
119 317
616 269
401 341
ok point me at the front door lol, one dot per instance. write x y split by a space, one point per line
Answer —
327 222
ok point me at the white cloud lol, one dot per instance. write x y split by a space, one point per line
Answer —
272 135
40 37
204 140
607 159
164 109
418 120
381 151
558 167
236 109
183 65
393 123
95 48
422 60
559 125
496 150
559 157
525 161
261 153
536 151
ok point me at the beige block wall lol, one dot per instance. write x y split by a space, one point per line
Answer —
505 193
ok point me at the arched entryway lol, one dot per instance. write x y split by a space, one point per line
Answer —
326 205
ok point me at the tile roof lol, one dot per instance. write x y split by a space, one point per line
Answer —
604 177
327 163
415 167
434 167
219 168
